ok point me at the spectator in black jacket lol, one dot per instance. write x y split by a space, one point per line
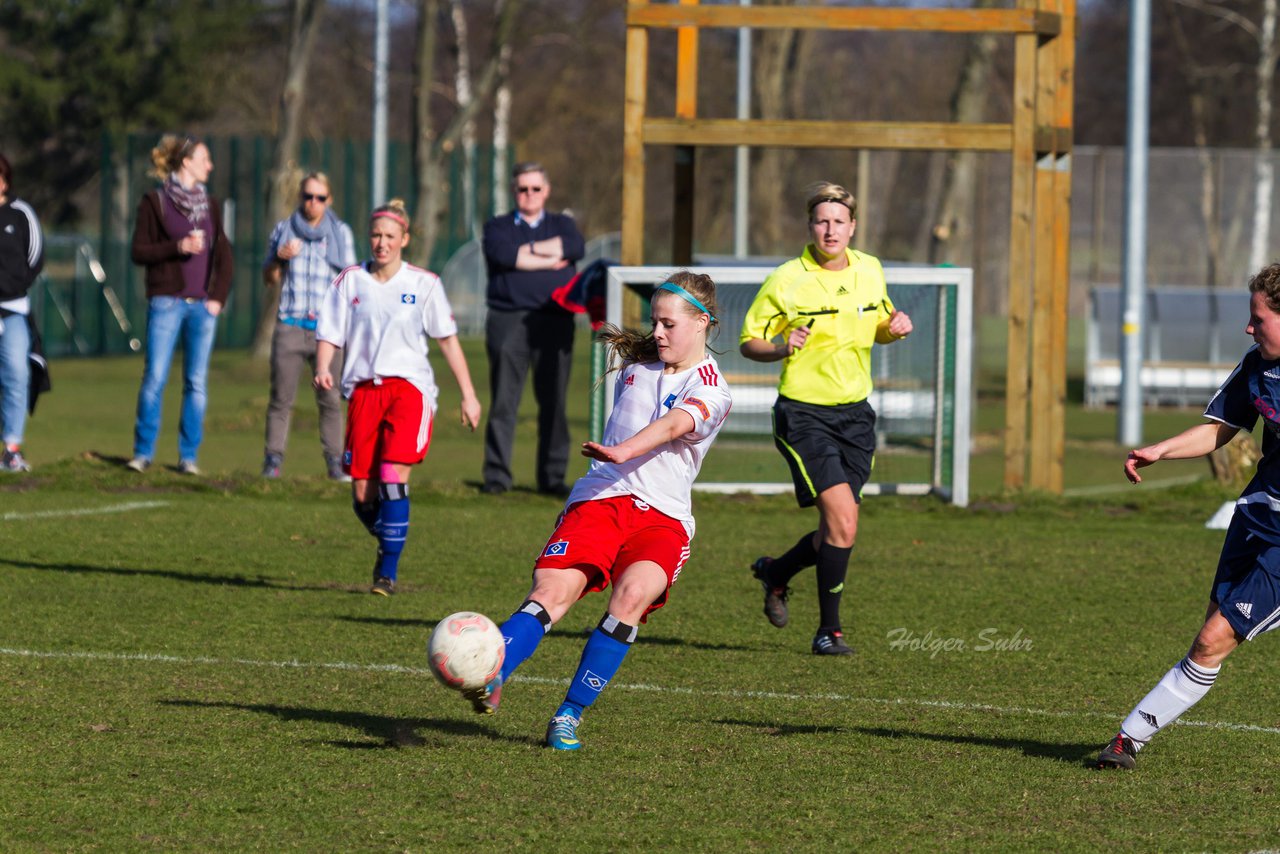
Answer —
530 253
21 258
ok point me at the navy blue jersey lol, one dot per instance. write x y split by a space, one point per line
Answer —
1253 389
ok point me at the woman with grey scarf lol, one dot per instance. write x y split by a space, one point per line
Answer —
306 251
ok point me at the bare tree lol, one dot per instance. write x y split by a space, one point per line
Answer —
776 58
431 146
1264 34
462 88
502 128
952 232
302 37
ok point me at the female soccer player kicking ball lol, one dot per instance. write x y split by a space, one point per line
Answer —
628 521
1244 600
381 314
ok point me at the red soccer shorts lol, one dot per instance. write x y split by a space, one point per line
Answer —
388 422
602 538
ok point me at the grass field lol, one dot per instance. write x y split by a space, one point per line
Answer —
194 665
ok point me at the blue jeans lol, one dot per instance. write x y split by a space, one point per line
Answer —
168 319
15 376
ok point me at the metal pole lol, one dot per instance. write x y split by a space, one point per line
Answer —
378 180
1135 225
742 159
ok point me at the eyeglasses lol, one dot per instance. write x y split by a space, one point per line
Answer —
314 197
529 189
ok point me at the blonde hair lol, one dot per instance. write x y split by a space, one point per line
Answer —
317 176
627 347
394 210
167 156
825 191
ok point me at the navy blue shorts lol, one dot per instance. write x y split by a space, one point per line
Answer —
825 445
1247 585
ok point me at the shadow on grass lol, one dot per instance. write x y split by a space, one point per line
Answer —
1057 751
642 640
390 731
260 581
1072 753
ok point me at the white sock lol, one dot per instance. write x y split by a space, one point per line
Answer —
1178 691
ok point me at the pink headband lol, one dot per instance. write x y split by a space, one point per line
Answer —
392 215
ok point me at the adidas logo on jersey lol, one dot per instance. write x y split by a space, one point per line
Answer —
630 380
841 291
1149 718
1245 608
1273 374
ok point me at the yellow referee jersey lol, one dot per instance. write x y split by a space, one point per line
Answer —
845 310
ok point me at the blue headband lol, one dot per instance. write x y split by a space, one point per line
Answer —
672 287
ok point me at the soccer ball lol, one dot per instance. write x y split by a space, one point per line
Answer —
466 650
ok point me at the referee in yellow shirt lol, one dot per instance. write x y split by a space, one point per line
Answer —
819 314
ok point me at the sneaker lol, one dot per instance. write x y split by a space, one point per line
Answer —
1120 753
383 586
138 464
485 699
271 465
188 467
334 465
775 598
12 460
830 642
562 731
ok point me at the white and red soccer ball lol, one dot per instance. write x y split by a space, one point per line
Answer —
466 650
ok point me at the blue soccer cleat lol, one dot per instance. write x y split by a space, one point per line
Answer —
562 731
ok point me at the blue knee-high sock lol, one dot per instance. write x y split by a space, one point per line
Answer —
601 658
523 631
392 527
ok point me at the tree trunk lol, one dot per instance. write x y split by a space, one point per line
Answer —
950 239
302 37
774 58
1264 170
430 147
502 129
462 88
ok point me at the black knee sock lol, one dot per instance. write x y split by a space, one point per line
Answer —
367 512
833 565
801 556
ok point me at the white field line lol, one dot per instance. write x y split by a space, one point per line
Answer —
84 511
732 694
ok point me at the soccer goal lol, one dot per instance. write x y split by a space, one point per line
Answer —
922 383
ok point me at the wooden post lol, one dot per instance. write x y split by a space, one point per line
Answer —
1042 361
634 109
682 197
1022 200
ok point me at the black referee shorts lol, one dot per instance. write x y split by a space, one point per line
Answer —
825 445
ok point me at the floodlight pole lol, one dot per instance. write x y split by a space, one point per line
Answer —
1129 430
742 155
378 178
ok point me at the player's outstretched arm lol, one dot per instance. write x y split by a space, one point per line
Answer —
453 356
671 426
1198 441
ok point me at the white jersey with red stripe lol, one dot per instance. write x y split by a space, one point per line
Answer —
383 327
662 478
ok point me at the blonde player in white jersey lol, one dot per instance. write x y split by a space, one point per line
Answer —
381 314
628 521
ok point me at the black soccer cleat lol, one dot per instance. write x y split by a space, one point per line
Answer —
830 642
383 587
1120 753
775 598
